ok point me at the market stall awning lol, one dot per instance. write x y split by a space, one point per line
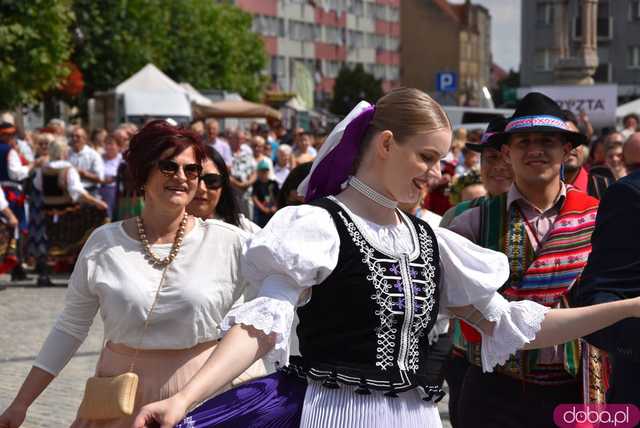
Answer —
235 108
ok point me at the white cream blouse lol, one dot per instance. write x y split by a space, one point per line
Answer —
113 276
299 248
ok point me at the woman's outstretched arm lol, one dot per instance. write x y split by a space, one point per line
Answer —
239 348
561 325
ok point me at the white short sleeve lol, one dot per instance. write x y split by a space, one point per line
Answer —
74 185
297 249
472 275
3 201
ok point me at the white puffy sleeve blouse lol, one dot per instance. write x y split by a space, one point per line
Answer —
112 276
299 248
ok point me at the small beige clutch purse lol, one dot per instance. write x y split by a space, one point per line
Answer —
115 396
109 397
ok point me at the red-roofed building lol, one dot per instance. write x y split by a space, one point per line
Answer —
324 35
437 36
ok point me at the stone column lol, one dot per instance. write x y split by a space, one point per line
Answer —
560 30
579 70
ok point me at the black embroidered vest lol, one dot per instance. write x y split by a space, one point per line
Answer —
367 323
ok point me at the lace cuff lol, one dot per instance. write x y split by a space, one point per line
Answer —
515 327
271 316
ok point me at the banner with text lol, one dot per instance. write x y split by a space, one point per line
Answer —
599 102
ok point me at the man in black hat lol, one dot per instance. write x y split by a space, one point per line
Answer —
497 177
544 228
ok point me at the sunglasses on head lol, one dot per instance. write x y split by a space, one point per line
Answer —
170 168
212 181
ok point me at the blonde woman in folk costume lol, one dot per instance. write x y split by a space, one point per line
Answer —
368 282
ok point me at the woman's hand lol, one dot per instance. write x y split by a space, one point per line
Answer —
13 417
163 414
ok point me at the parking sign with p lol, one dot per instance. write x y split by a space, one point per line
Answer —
446 82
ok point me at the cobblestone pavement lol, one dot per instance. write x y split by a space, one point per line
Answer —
26 316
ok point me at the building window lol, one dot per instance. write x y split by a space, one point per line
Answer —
393 43
302 31
543 60
277 66
633 56
356 7
634 10
394 14
333 35
332 68
268 26
604 23
376 41
544 13
355 39
603 73
377 11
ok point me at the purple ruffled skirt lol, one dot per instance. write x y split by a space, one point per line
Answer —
271 401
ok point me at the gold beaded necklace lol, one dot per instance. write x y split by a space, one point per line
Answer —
177 243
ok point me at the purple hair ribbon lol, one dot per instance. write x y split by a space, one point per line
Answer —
333 169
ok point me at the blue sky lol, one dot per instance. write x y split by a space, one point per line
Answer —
505 28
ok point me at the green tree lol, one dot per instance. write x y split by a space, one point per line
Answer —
117 38
207 44
35 44
214 47
352 86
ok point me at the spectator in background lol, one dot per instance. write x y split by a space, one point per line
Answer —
574 171
302 150
259 146
214 196
631 153
57 127
630 125
112 159
584 124
458 143
214 140
25 150
264 194
271 148
288 194
598 153
13 171
122 137
243 171
614 159
282 168
467 187
197 126
470 162
98 138
86 160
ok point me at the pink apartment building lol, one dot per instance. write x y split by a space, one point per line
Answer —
326 34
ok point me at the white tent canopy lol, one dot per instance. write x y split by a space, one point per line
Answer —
630 107
150 92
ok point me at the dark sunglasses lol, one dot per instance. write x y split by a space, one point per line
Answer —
170 168
212 181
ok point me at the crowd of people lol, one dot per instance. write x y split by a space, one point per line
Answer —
62 181
409 252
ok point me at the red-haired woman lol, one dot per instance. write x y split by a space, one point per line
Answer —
124 265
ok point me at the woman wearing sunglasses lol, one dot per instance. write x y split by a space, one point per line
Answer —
156 269
214 196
